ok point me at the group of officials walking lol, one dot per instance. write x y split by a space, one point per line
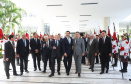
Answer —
49 49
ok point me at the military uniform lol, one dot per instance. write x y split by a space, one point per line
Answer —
124 53
115 52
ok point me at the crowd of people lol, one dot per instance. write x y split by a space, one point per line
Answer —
87 50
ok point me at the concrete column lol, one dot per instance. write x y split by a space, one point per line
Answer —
106 23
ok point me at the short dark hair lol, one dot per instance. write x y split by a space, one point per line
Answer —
81 34
11 36
34 33
77 32
68 31
97 35
104 31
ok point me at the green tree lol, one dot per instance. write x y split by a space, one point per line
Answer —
10 15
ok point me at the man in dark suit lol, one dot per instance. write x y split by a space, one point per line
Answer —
35 50
92 46
10 56
46 53
61 45
83 57
56 54
105 50
68 51
97 57
23 52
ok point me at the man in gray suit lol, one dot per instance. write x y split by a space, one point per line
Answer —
92 47
79 50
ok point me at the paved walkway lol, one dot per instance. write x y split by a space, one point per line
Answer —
87 77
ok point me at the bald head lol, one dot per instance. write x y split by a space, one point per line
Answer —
46 38
92 36
23 36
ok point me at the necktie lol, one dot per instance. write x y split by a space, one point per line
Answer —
47 44
76 41
25 43
36 40
13 44
103 41
69 40
56 44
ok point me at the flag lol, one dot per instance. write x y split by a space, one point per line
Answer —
45 34
37 35
27 35
12 33
114 33
40 34
109 34
94 31
1 33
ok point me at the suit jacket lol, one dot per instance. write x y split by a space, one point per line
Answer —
9 50
35 45
106 47
79 47
21 49
67 48
61 47
55 52
93 48
46 50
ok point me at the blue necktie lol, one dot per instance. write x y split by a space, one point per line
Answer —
69 40
25 43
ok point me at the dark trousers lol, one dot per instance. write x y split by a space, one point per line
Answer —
7 64
36 56
53 64
46 58
83 59
105 61
115 56
23 60
17 60
125 62
68 62
97 58
91 60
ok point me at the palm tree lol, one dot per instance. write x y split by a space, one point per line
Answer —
10 15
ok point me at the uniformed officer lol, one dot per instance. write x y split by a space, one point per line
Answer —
115 52
124 53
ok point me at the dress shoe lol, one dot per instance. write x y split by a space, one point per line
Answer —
10 69
129 79
107 71
101 72
58 73
39 69
68 73
121 70
8 77
79 74
27 71
51 75
124 71
35 69
21 73
44 71
76 72
92 70
16 74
